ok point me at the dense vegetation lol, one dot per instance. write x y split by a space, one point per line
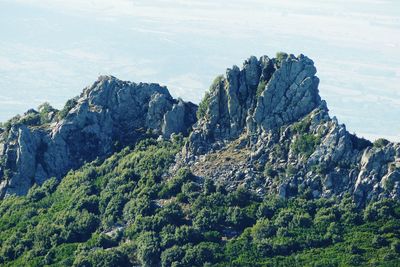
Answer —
125 211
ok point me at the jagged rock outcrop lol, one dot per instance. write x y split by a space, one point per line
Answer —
291 94
265 94
109 114
263 126
179 118
379 173
292 145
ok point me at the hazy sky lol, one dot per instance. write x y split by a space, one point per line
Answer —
51 49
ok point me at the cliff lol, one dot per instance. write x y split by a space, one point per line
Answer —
262 126
107 116
265 127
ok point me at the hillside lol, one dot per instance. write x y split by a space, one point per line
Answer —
258 174
122 212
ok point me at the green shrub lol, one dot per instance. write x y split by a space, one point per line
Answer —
280 57
359 143
381 142
290 170
31 119
301 127
261 87
320 168
263 229
205 252
305 144
173 186
13 121
71 103
172 256
379 241
45 112
102 258
269 170
203 106
148 249
379 210
205 102
396 246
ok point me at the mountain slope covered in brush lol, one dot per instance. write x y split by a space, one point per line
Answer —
258 174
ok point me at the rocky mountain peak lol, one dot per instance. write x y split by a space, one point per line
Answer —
263 126
108 115
290 94
264 95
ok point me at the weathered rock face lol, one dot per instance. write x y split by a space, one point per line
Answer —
179 119
291 94
109 114
230 101
379 173
292 145
263 126
261 96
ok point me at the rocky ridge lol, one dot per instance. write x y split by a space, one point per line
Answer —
263 126
293 145
107 115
